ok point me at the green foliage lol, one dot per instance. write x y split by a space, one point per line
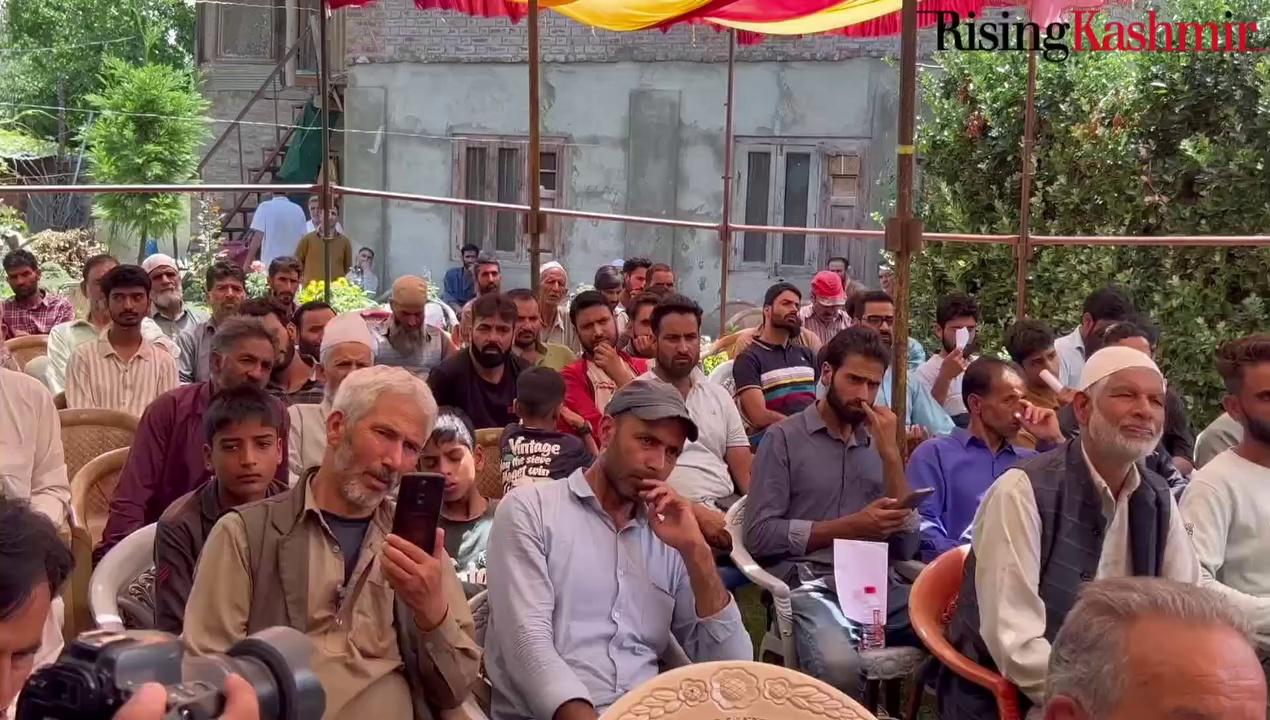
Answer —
345 296
1126 144
55 52
149 130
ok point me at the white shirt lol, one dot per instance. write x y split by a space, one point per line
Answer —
928 372
283 224
1071 358
1007 547
306 443
701 472
1226 509
32 465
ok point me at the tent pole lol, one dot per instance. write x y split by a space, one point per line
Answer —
324 67
903 232
535 218
729 173
1023 250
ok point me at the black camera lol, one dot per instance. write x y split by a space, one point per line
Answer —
99 671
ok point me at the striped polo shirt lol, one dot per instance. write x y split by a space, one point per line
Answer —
97 377
785 374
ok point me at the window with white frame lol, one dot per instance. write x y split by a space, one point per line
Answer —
493 169
793 183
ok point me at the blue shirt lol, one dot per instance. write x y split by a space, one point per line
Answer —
960 468
458 288
921 408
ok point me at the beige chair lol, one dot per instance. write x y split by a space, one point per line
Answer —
741 689
59 400
27 347
89 433
116 571
91 491
490 480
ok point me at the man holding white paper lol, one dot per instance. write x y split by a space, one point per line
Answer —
833 471
956 325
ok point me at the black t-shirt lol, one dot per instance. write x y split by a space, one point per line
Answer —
349 534
531 455
454 382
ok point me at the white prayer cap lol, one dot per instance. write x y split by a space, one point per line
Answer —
347 328
1112 359
553 265
156 261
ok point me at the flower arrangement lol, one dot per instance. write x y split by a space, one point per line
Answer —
345 296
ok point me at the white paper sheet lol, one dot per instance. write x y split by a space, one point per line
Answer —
962 337
856 565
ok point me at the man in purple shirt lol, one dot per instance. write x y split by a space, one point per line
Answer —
166 460
960 467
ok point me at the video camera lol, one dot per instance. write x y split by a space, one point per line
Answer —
101 669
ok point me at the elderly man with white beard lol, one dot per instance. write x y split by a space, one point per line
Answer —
1087 510
167 304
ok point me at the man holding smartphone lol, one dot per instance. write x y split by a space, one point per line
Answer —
833 471
389 623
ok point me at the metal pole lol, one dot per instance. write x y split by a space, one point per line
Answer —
1023 250
729 173
324 67
534 219
903 233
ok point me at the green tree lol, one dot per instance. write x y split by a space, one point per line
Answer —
55 52
1126 144
149 129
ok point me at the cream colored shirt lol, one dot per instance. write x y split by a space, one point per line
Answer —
64 338
97 377
1226 509
32 465
307 441
1007 547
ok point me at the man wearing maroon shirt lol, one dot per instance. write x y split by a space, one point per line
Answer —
591 380
166 460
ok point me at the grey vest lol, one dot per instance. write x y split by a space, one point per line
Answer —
1072 526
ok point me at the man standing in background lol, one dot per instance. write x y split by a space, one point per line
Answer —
276 228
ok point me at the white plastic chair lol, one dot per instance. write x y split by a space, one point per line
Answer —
120 566
722 374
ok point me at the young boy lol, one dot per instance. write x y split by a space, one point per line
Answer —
243 428
466 516
533 450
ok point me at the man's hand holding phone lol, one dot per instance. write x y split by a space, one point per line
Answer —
879 520
416 577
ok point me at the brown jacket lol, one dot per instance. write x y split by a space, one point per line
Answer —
263 565
178 541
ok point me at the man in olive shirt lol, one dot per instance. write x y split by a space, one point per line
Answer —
526 341
391 630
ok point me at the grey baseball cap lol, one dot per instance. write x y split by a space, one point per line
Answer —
649 400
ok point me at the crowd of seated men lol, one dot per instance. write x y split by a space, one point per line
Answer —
271 440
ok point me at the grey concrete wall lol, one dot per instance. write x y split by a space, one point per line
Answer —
618 119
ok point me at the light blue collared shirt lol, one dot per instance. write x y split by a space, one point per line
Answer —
582 610
921 408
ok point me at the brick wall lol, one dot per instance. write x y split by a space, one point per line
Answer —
395 31
257 131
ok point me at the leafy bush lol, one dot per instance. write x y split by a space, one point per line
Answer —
345 296
1126 144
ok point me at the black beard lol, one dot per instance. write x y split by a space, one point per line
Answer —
849 413
1259 430
489 357
309 352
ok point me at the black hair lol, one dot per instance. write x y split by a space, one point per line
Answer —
955 305
488 259
1025 338
235 330
222 270
980 375
648 296
469 248
285 262
607 277
521 295
635 263
773 292
263 307
20 258
234 405
308 307
859 340
1111 332
583 301
860 299
846 264
1108 303
369 250
494 305
91 264
453 425
30 553
1236 356
675 305
539 392
125 276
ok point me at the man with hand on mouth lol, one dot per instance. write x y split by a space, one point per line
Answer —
591 380
482 379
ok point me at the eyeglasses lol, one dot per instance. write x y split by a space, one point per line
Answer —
878 320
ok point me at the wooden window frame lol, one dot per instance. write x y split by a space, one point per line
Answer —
550 198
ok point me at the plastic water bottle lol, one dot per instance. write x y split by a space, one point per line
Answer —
874 636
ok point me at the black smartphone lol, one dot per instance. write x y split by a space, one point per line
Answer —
916 498
419 509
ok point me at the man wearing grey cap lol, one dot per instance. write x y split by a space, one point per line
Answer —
615 551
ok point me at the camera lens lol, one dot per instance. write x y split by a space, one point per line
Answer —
275 662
